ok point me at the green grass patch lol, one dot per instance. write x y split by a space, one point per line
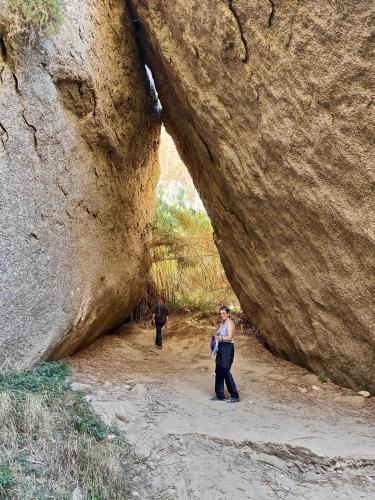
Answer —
34 16
6 481
51 441
362 387
48 379
322 377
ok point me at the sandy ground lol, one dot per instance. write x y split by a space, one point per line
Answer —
289 437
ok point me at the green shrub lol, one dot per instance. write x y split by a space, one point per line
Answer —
34 16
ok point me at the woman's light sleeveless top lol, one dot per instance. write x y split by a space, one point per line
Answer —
223 330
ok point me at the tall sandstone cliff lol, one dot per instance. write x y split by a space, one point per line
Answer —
271 104
78 146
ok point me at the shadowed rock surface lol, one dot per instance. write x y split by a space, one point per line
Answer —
78 145
271 106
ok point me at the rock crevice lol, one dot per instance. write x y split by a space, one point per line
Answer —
245 56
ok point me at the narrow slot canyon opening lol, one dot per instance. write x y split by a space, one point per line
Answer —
185 264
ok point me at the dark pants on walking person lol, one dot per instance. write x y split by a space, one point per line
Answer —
159 339
224 360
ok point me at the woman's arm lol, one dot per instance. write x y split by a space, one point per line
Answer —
230 329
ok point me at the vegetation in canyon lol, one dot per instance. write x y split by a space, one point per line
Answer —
33 16
186 266
51 442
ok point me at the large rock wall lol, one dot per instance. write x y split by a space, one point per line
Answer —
78 146
271 104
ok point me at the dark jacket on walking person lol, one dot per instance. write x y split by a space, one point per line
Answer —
224 358
159 319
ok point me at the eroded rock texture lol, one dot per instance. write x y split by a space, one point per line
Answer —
78 143
271 105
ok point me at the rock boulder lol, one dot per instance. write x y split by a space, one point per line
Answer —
78 166
271 105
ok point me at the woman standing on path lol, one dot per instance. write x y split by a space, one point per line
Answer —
224 358
159 319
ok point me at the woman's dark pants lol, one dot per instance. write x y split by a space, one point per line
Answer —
224 360
158 339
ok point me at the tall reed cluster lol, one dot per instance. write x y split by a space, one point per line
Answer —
186 266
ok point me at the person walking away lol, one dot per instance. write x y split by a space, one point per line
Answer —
224 358
159 319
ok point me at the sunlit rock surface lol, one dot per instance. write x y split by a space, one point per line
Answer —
272 106
78 148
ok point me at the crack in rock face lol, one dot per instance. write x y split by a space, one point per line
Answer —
78 137
280 149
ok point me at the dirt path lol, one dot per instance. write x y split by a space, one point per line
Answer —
285 439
